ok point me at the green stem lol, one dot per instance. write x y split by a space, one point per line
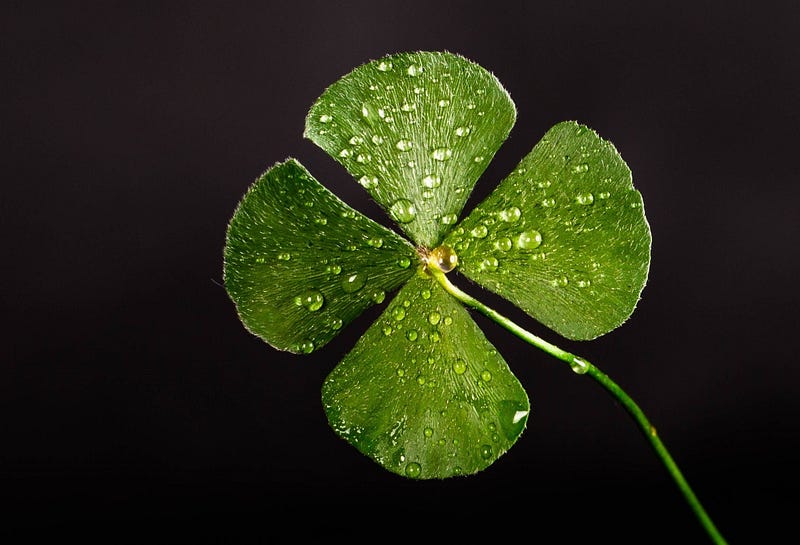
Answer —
581 366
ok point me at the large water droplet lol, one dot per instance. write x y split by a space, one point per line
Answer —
431 181
442 154
510 214
403 262
403 211
479 231
413 470
368 182
375 242
459 367
444 258
486 452
513 415
378 296
529 240
411 335
414 70
399 313
503 244
312 300
490 264
353 282
325 118
584 199
434 317
449 219
428 432
486 375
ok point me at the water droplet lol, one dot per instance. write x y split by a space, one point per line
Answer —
480 231
335 323
356 141
463 131
603 195
312 300
306 347
285 256
512 418
385 66
511 214
448 320
428 432
377 139
490 264
432 181
363 158
459 367
403 211
443 103
486 375
486 451
413 470
406 107
548 202
378 296
406 303
434 317
353 282
344 153
400 371
583 283
321 220
449 219
584 199
442 154
435 336
399 313
387 330
403 262
503 244
579 366
560 282
444 258
529 240
414 70
411 335
404 145
580 168
368 182
375 242
325 118
425 294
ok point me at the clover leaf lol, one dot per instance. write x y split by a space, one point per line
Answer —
564 237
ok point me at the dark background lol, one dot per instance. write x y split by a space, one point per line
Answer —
134 407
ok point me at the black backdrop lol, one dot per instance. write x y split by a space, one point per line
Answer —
134 407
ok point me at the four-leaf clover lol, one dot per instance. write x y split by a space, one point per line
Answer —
564 237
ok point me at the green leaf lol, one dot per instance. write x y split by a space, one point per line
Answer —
300 264
423 392
564 237
416 130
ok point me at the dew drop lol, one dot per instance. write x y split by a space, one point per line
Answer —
443 103
404 262
486 451
479 231
378 296
442 154
400 372
490 264
503 244
387 330
335 324
414 70
285 256
385 66
306 347
356 141
459 367
377 139
312 300
444 258
428 432
511 214
413 470
448 320
529 240
463 131
434 317
431 181
404 145
560 282
325 118
579 366
425 294
344 153
580 168
411 335
449 219
584 199
353 282
548 202
406 107
435 336
486 375
368 182
399 313
375 242
403 211
604 195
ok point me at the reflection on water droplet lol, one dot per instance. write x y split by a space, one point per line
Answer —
584 199
312 300
406 107
486 451
443 103
403 211
442 154
459 367
559 282
434 317
353 282
344 153
356 141
480 231
603 195
413 470
431 181
529 240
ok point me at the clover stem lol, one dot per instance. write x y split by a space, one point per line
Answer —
582 366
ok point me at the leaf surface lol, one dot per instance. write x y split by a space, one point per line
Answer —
423 392
416 130
300 264
564 236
